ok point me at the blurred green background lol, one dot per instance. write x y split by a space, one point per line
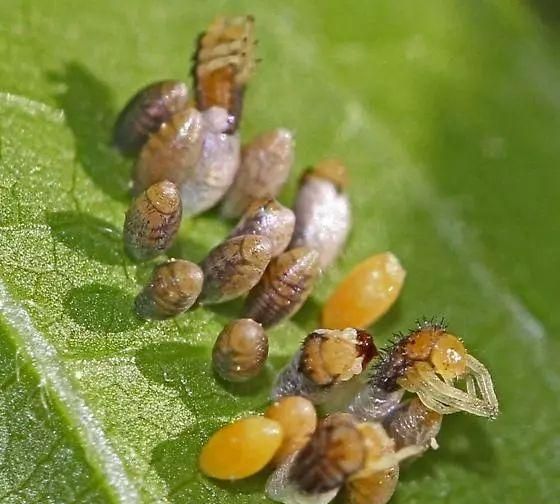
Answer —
446 112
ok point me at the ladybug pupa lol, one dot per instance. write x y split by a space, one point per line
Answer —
322 208
146 111
204 185
284 287
266 162
267 217
340 451
173 288
233 267
171 151
152 221
240 351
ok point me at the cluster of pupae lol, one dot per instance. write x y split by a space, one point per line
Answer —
189 159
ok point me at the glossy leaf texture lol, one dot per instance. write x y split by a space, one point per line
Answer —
448 115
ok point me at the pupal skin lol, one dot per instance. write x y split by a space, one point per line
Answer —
377 481
152 221
146 111
207 183
232 268
284 287
240 351
325 364
170 152
267 217
413 423
224 63
322 208
280 488
265 165
335 451
173 288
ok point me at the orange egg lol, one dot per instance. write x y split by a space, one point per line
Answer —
241 448
366 293
298 419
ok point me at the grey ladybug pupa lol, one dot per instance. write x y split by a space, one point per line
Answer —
152 221
268 218
265 165
207 182
322 209
173 288
146 111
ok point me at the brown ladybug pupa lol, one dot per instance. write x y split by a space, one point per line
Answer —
232 268
284 287
152 221
170 152
146 111
173 288
240 351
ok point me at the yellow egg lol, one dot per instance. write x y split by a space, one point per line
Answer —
241 449
366 293
298 419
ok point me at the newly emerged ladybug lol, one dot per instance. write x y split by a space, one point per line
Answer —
241 449
429 362
327 359
298 418
366 293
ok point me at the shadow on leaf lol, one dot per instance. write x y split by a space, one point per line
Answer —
88 109
96 238
188 369
101 308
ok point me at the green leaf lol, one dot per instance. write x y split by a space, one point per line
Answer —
447 114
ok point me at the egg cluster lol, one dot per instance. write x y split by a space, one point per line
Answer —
343 414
